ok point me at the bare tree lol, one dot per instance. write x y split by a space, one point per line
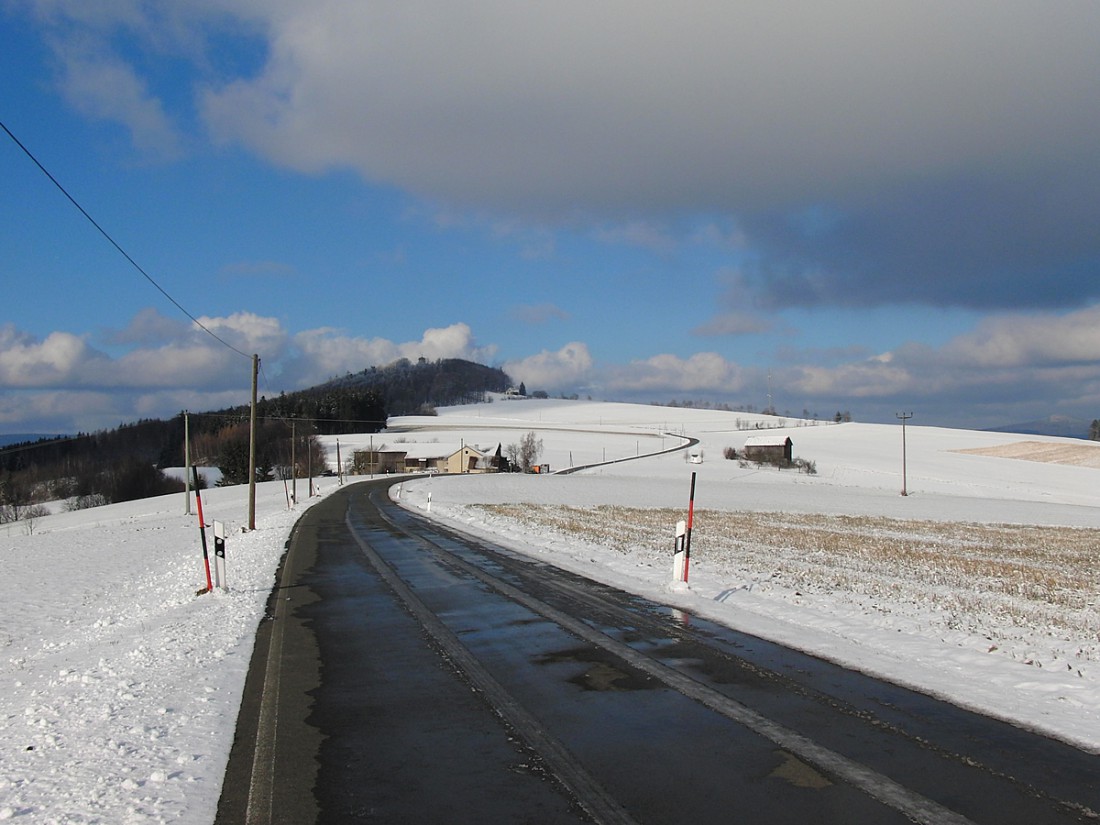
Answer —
530 447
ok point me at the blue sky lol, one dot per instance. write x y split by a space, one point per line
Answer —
866 206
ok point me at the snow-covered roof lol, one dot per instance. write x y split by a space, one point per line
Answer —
418 450
767 440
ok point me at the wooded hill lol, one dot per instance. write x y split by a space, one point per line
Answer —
409 389
122 464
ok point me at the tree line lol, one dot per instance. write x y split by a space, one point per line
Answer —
127 462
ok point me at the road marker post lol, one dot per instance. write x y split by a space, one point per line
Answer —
678 554
202 532
687 536
219 556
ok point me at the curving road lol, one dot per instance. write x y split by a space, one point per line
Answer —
407 673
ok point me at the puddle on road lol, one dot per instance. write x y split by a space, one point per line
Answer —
601 674
798 773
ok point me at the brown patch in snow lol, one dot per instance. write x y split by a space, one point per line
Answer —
1085 454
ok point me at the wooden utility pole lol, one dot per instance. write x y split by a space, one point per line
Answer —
186 464
252 447
904 417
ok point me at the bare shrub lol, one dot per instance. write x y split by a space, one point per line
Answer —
85 502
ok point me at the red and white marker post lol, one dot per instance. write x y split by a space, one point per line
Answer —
202 532
682 557
691 517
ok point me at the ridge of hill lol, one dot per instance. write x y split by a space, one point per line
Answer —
1058 425
120 464
407 387
24 438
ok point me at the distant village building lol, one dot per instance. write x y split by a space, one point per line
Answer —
422 458
771 449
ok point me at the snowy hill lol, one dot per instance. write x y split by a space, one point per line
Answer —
119 687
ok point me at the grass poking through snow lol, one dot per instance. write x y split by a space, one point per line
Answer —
1001 585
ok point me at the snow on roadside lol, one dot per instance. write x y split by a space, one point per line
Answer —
901 638
119 687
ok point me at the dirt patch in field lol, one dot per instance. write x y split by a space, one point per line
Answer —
1076 455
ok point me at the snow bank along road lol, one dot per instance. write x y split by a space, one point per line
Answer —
408 673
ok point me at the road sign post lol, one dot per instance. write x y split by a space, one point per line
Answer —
678 565
219 556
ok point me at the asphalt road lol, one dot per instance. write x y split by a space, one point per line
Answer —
406 673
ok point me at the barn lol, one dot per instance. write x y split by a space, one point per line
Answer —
770 449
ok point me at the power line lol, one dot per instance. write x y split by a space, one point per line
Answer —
116 245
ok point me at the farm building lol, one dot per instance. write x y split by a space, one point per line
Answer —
768 448
422 458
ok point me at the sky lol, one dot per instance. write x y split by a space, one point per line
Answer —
850 206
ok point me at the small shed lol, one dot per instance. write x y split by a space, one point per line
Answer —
772 449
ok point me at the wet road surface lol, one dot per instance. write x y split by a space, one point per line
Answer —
409 674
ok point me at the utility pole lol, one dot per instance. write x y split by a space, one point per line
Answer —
904 417
252 447
186 464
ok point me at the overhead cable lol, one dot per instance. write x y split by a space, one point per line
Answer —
116 245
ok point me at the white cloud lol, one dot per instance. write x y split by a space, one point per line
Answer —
101 86
578 103
248 332
1010 363
455 341
148 328
1030 340
566 368
54 411
867 379
1051 358
863 153
172 366
59 360
328 352
703 372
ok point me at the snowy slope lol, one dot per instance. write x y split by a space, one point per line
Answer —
119 687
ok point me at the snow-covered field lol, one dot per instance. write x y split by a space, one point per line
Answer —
119 687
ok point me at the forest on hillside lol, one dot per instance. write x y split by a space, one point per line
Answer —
126 463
